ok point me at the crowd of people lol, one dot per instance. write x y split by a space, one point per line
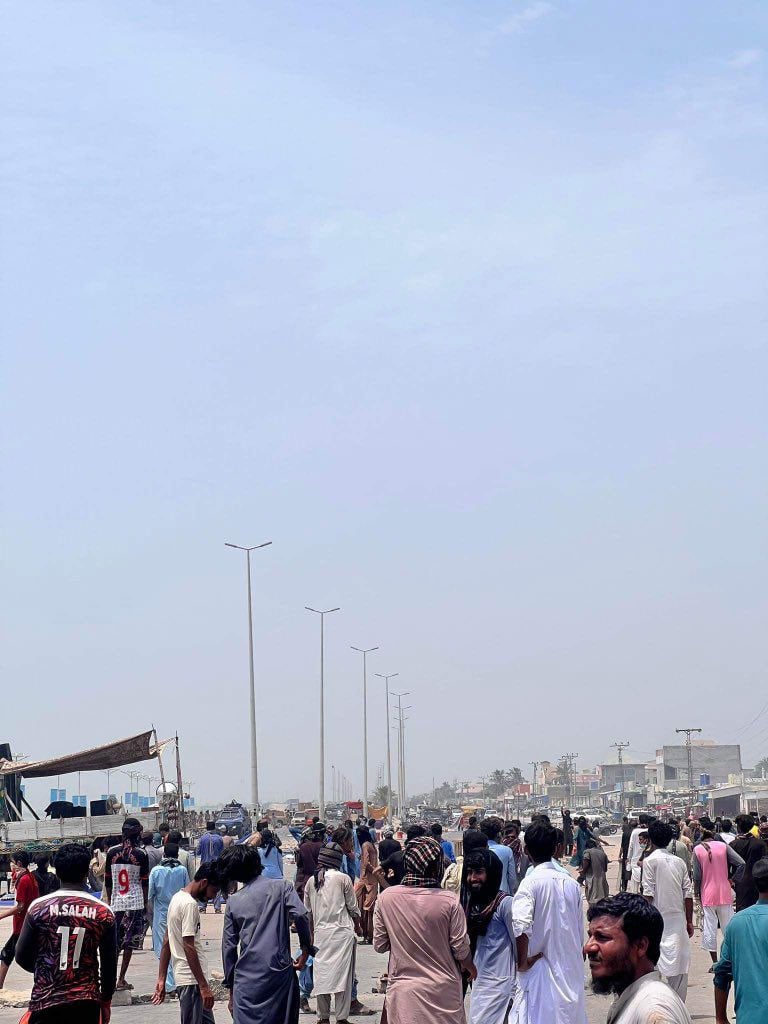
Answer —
494 935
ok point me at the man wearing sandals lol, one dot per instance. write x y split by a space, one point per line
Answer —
126 884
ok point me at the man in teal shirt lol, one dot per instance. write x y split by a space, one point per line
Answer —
744 958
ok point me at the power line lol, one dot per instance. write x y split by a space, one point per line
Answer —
759 714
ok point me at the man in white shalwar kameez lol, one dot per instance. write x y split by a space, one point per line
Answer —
549 933
623 948
668 886
329 896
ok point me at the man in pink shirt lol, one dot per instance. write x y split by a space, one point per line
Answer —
713 863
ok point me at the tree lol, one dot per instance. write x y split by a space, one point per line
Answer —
502 779
380 798
497 782
761 768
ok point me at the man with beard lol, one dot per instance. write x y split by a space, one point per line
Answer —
623 949
491 938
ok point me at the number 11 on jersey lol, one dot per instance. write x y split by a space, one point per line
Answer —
79 933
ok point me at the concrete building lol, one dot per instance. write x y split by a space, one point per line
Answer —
617 777
712 764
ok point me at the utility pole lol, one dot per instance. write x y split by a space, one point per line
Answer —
620 748
570 757
689 752
535 766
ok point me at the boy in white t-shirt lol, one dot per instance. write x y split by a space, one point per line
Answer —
182 944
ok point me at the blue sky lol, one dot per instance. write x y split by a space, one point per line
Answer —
462 305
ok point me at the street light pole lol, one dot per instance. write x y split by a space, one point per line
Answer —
322 614
389 756
400 753
254 754
365 654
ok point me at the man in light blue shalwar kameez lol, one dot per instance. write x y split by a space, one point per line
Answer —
165 880
491 936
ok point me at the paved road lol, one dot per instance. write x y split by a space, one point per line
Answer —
370 965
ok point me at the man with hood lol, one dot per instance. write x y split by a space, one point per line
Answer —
491 938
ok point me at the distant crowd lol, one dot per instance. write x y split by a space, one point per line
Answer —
494 932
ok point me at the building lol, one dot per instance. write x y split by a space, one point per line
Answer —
711 765
623 786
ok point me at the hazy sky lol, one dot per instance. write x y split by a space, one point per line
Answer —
461 304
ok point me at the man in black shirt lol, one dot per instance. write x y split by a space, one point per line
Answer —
472 838
392 870
751 850
47 882
388 844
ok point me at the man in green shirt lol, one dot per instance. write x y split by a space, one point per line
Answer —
744 958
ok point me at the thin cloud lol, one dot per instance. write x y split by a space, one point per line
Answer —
517 22
745 58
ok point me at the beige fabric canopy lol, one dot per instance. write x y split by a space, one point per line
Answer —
111 755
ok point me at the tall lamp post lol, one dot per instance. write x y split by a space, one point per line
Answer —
322 614
254 758
401 797
389 756
365 654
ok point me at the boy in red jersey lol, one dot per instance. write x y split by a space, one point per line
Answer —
26 892
68 942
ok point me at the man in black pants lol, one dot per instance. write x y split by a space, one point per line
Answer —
68 942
